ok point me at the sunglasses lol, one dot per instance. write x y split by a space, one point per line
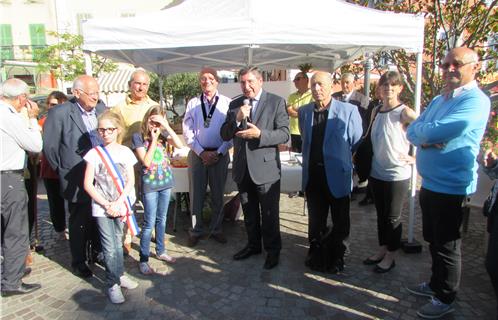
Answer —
108 130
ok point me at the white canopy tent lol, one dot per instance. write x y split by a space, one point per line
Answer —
230 34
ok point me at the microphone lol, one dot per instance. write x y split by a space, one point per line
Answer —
243 123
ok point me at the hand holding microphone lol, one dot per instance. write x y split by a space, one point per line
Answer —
245 110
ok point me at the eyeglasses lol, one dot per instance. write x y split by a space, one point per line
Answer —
454 64
90 94
108 130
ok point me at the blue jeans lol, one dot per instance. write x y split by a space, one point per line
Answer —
155 212
111 233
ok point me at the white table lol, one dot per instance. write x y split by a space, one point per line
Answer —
290 181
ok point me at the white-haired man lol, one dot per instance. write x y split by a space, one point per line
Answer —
16 137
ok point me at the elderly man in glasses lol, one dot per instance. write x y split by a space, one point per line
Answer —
69 132
448 135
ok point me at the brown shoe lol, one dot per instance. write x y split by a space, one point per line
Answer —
219 237
192 241
126 248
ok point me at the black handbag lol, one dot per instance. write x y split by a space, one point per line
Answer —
364 153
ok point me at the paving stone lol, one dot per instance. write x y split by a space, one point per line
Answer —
206 283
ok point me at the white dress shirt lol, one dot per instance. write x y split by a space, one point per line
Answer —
16 138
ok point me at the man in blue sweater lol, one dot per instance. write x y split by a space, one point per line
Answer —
448 134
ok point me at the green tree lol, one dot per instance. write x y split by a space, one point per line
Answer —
65 59
449 24
177 89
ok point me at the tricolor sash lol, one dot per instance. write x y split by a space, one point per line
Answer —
119 184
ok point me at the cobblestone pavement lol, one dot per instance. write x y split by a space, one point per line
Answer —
206 283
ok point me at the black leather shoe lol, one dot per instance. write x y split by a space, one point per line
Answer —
192 240
23 289
379 269
370 262
271 261
245 253
219 237
366 201
82 271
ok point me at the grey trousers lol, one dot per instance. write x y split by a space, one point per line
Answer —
200 176
15 238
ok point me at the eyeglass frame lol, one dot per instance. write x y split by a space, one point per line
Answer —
455 64
110 130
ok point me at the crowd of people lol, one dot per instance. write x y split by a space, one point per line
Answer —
100 161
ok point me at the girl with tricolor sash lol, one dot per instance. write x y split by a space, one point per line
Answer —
109 180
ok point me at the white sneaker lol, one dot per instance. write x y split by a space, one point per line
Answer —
115 294
127 283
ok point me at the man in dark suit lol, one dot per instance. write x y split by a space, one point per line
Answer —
330 130
258 122
70 131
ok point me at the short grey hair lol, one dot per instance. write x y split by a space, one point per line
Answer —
347 75
138 71
13 88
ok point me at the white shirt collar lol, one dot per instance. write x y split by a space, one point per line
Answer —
469 86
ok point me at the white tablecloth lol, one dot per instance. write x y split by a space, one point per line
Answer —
291 177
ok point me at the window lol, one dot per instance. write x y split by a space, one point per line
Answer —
38 41
6 48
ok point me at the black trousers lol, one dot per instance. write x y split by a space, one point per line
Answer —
320 201
260 204
389 197
296 142
492 255
14 220
31 185
55 204
82 231
441 222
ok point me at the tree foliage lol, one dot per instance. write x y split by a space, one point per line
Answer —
65 59
449 24
177 89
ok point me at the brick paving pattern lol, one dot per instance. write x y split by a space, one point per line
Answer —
206 283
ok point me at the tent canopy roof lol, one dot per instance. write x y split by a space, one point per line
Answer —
229 34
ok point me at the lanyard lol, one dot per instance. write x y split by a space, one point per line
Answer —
207 117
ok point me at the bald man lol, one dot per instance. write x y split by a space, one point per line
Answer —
330 130
448 135
70 131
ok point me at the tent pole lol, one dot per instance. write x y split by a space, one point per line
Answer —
161 95
366 68
412 246
88 63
